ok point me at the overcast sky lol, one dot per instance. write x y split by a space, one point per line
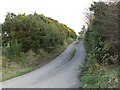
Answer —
69 12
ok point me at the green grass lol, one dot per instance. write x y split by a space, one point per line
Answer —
72 55
97 76
11 74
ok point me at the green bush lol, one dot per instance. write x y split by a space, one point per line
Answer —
34 32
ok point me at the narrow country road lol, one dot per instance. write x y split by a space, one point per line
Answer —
59 73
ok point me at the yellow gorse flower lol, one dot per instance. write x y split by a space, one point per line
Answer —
69 30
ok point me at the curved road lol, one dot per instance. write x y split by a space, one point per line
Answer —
59 73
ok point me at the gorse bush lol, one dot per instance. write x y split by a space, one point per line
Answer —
23 33
34 31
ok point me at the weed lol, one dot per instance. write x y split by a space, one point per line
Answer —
72 55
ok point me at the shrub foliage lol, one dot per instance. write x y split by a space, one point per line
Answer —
101 38
34 31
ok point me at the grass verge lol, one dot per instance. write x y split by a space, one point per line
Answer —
72 55
95 75
16 73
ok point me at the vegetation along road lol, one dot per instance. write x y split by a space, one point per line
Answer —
59 73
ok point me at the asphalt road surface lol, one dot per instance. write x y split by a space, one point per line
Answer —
59 73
